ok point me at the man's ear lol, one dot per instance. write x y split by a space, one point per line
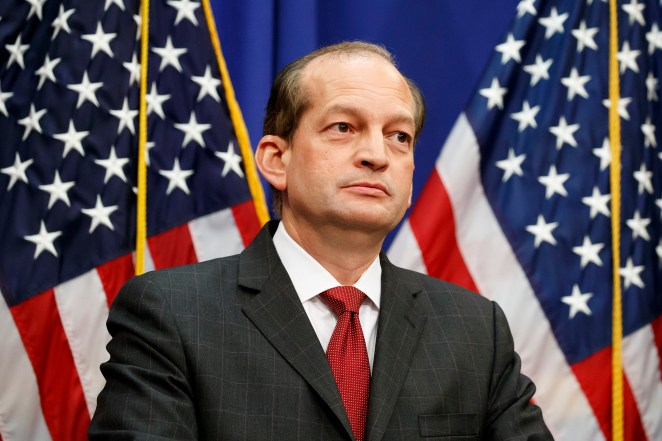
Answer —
269 160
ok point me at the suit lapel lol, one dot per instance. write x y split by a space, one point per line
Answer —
399 329
276 311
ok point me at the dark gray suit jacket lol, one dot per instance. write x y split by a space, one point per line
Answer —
223 350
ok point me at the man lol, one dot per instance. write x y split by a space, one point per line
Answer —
234 349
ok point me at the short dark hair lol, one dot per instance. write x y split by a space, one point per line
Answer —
288 100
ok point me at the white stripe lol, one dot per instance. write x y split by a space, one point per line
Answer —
215 235
20 407
404 250
641 362
497 274
149 261
83 309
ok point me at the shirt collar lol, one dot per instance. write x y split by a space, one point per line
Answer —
310 278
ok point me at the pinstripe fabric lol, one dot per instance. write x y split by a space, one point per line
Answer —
224 350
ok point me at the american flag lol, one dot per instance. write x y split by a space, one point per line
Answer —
518 208
69 98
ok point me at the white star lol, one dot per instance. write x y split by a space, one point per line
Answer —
554 183
61 23
46 71
643 177
155 101
575 84
100 215
169 55
177 178
16 52
232 161
658 249
638 226
542 231
494 94
193 131
585 37
100 41
58 190
577 301
648 129
658 202
119 3
635 12
538 70
113 166
651 87
72 140
598 203
31 122
185 9
526 6
134 70
86 91
526 117
126 117
623 104
44 240
138 20
4 97
564 133
511 165
654 38
553 23
632 274
208 85
510 49
36 7
16 172
149 145
628 58
589 252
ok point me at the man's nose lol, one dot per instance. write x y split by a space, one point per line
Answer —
372 151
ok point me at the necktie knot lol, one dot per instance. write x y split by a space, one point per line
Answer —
343 298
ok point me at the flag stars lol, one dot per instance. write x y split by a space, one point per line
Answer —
208 85
61 21
628 58
553 23
526 7
654 38
72 140
118 3
576 84
43 240
526 117
622 105
16 172
100 215
658 249
57 190
542 231
585 37
100 41
604 153
134 70
554 183
185 10
36 8
588 252
45 72
232 161
648 129
538 70
597 202
635 11
577 301
16 52
639 226
565 133
155 101
31 122
494 94
126 117
193 131
512 165
177 178
632 274
643 176
4 97
86 91
113 165
510 49
169 55
651 87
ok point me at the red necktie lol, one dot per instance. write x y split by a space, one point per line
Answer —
348 356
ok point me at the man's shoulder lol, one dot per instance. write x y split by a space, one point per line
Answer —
214 268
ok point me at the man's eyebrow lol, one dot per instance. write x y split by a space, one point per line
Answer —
353 111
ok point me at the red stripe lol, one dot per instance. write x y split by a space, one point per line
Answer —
62 399
245 217
172 248
594 376
114 274
657 332
433 225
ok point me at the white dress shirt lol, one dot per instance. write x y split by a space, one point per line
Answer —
311 279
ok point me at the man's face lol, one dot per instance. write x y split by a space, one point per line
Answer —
350 162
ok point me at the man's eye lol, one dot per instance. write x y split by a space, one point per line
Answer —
343 127
402 137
